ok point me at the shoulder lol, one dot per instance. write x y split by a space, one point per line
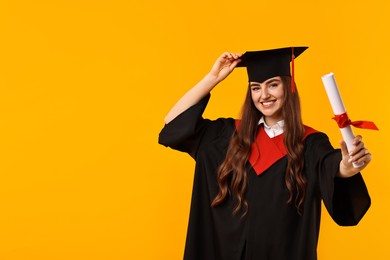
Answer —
313 136
318 144
219 127
229 126
312 133
308 131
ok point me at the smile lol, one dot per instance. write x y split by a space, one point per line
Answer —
268 103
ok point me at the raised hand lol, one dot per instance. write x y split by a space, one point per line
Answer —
224 65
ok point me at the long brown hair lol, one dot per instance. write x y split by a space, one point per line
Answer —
232 174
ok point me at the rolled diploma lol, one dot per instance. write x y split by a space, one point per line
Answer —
338 109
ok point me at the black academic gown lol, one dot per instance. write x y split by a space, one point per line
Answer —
272 229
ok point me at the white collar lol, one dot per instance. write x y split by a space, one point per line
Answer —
272 131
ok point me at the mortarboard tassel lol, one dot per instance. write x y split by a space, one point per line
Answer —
292 71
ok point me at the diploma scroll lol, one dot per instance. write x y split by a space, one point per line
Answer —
338 109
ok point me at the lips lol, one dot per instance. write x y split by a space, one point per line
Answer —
268 103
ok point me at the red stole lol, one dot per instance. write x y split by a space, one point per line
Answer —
266 151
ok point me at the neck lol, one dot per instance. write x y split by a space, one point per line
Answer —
272 121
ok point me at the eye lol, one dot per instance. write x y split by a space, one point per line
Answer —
273 85
255 88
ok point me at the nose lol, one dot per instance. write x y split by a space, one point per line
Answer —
265 94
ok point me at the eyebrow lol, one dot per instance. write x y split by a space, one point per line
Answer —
266 82
272 80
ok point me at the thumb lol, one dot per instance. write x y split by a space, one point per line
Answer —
234 63
344 150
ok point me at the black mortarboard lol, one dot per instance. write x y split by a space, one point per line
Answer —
265 64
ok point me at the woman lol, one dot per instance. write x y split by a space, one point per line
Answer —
259 181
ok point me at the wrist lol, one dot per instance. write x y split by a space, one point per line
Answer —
211 79
346 171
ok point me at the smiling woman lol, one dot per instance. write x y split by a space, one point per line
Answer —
265 174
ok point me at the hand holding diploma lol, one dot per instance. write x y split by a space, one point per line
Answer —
352 148
354 160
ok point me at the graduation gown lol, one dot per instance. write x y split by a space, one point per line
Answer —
272 229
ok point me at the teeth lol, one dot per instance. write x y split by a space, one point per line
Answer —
268 103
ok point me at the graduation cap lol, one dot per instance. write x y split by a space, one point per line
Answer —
265 64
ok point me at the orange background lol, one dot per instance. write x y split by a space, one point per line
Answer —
85 86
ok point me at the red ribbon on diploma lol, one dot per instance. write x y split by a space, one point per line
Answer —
344 121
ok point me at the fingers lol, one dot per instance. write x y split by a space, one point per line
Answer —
234 64
359 154
224 65
359 145
363 155
231 56
355 160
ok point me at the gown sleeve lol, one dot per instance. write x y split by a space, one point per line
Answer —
346 199
189 131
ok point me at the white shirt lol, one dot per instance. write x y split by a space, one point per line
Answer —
272 131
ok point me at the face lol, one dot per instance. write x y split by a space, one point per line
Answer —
268 98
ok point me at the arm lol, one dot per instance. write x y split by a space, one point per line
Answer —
358 155
224 65
346 199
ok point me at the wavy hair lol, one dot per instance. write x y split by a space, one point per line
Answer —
232 173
